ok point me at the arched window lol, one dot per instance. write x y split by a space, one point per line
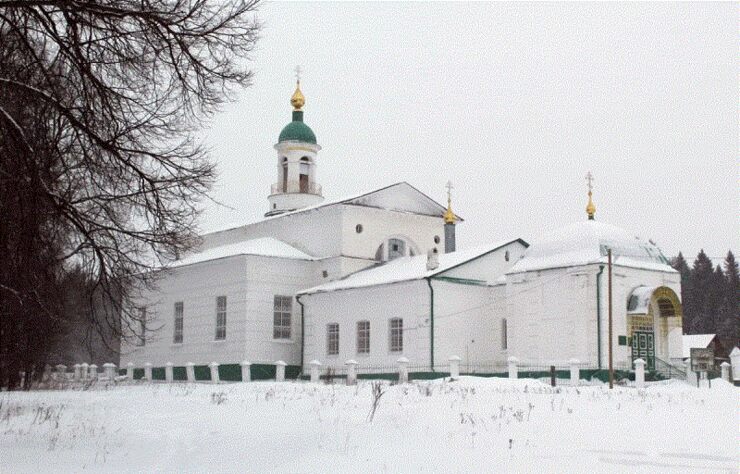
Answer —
285 174
396 248
303 175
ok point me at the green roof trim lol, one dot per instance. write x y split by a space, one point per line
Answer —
297 130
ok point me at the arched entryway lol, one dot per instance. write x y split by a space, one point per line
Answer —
653 314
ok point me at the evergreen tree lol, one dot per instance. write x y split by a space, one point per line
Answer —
702 280
680 265
730 311
715 300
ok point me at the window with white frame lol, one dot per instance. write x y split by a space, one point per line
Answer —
395 334
179 323
332 339
283 308
363 337
504 335
220 318
142 327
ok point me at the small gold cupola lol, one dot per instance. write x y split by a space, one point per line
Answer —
449 216
590 207
297 100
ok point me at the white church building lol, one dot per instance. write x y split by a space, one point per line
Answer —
377 276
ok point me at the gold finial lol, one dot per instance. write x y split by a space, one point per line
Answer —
297 100
590 207
449 216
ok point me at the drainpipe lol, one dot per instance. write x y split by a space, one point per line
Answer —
303 332
598 313
431 323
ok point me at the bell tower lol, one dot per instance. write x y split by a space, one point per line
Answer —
296 185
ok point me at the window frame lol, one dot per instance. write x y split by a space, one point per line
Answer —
178 333
332 339
221 312
363 337
395 335
280 330
504 334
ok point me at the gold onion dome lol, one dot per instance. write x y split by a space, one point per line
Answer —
297 100
449 216
590 207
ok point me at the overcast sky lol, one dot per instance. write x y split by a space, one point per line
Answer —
513 103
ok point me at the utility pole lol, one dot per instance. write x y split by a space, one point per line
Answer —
611 360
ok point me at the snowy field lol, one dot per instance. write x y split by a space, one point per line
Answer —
472 425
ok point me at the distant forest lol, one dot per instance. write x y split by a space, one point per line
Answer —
710 297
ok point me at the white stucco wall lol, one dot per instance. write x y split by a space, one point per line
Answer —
380 224
552 313
249 283
408 300
467 322
197 286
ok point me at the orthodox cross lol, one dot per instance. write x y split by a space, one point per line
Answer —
589 181
298 72
449 190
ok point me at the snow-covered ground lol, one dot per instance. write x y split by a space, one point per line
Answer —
472 425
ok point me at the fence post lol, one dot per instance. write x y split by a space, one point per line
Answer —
61 372
315 364
280 371
246 371
169 372
190 371
351 371
403 370
214 372
93 372
77 368
725 366
553 380
735 361
110 370
513 371
454 367
46 376
148 371
575 372
639 373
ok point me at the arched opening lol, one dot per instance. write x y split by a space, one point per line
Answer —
304 173
653 314
395 247
284 173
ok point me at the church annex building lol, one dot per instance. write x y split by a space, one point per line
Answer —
377 276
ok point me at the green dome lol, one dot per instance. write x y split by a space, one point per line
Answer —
297 130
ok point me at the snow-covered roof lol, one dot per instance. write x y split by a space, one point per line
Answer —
639 300
264 247
405 269
586 242
695 340
399 196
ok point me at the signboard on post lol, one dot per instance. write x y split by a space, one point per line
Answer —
702 360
